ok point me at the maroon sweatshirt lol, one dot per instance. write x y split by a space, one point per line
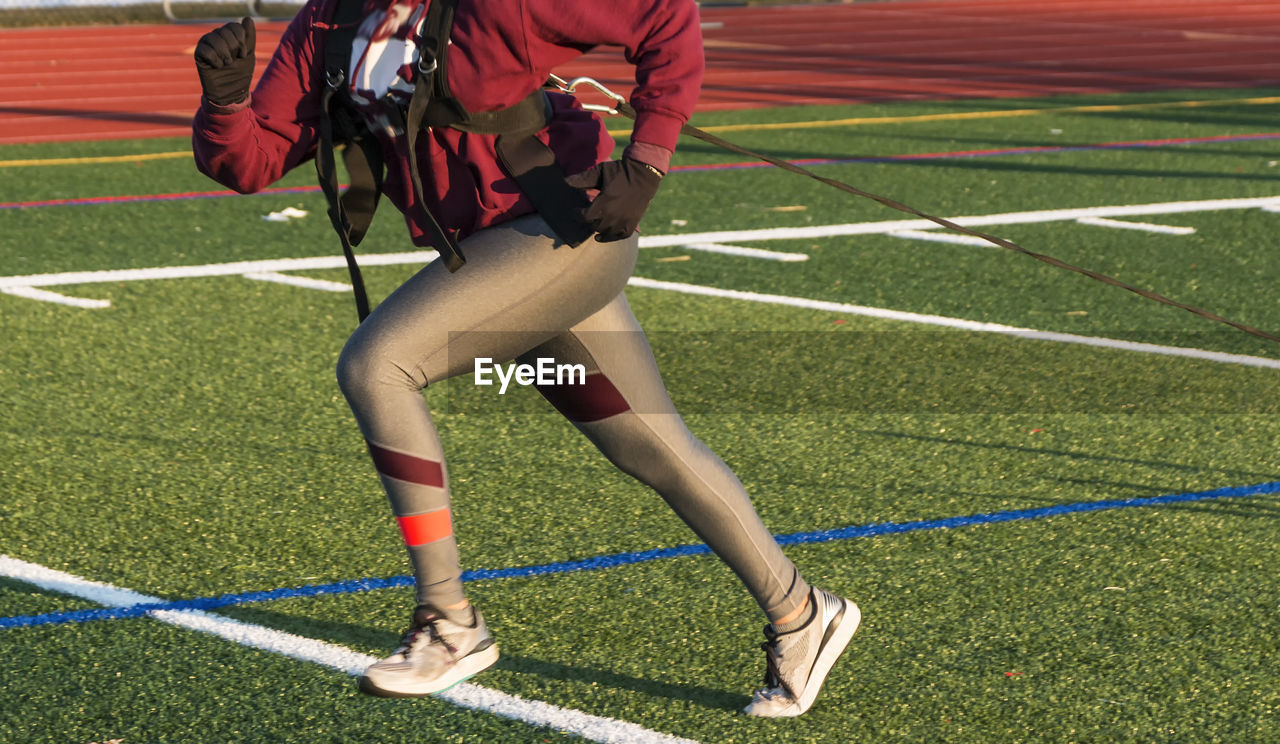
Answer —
501 51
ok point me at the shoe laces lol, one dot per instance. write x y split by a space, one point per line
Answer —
424 629
772 674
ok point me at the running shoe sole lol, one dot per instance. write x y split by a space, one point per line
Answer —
466 668
840 631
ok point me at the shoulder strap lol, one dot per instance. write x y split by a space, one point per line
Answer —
432 46
340 36
337 53
431 51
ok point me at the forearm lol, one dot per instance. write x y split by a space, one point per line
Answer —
662 38
669 67
227 144
247 145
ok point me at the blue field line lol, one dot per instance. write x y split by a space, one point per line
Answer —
626 559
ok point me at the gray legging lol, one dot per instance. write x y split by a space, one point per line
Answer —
522 295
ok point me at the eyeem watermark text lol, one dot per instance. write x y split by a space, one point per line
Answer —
544 371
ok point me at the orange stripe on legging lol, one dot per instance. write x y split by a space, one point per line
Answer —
421 529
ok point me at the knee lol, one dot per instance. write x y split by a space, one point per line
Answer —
353 371
362 368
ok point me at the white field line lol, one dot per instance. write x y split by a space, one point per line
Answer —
237 268
1008 218
957 323
939 236
1143 226
651 241
737 250
299 281
474 697
44 295
1269 203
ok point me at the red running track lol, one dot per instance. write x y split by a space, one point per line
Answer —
77 84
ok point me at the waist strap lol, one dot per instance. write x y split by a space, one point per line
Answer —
531 114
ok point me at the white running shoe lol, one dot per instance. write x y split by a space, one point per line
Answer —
436 654
799 661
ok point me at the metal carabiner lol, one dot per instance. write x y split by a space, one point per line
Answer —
571 87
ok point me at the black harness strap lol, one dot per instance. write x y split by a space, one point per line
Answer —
337 52
365 170
534 167
435 31
530 162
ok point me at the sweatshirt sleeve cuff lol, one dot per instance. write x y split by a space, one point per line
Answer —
653 155
220 123
221 110
656 128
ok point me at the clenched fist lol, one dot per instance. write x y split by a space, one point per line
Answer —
224 60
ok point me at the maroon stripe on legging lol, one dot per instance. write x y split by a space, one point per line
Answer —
593 400
407 467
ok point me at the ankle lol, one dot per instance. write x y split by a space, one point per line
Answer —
461 613
797 619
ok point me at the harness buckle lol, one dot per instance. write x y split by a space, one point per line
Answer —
424 67
571 86
334 78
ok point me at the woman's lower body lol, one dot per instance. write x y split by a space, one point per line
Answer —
524 296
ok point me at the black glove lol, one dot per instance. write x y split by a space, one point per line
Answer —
224 59
626 188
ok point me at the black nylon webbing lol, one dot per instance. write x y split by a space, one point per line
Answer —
337 53
534 167
363 158
327 173
435 33
526 158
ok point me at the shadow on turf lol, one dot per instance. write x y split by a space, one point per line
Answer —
1266 476
1153 172
359 636
994 161
1236 507
1219 149
705 696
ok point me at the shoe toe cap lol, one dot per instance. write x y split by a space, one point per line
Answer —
772 704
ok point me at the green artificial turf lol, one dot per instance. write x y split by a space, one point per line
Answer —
190 441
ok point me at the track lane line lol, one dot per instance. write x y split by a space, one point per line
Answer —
827 123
